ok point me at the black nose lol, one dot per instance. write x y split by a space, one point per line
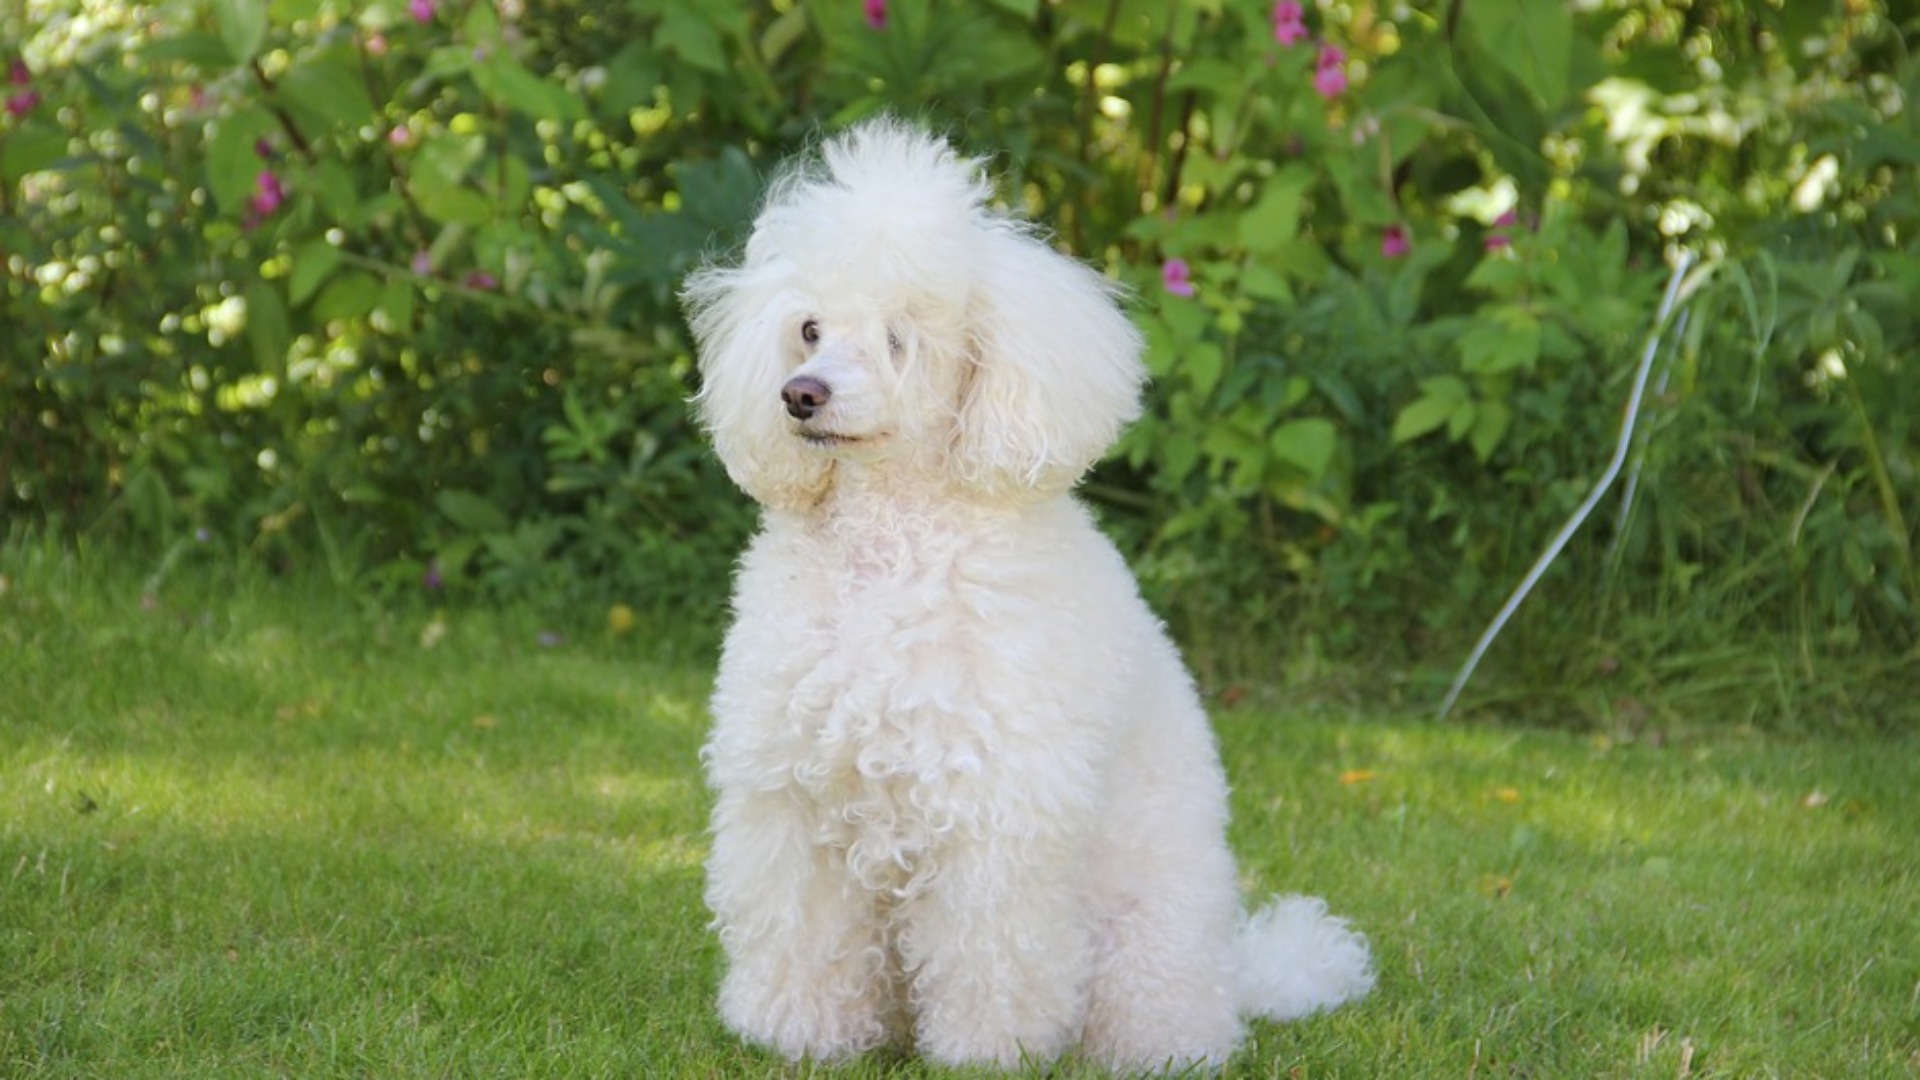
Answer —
804 395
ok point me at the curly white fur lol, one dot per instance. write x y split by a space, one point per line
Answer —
967 797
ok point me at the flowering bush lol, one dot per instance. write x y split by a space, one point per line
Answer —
391 283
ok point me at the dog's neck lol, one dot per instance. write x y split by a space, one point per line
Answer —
886 491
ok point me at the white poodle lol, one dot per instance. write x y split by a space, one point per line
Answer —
967 798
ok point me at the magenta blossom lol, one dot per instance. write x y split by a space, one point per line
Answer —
876 11
421 10
1394 243
24 99
1498 238
1289 23
268 194
422 263
1177 277
1330 72
480 279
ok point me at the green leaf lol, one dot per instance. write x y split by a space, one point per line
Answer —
1498 275
232 166
1178 452
1272 221
448 156
634 72
1506 338
396 303
1490 423
313 263
438 170
1263 282
349 296
330 88
268 330
508 82
1217 77
332 185
1440 398
684 33
1186 323
29 151
452 204
206 51
782 34
471 512
1307 444
1532 40
1461 420
1203 363
243 26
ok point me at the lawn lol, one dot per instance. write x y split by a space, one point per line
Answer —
265 830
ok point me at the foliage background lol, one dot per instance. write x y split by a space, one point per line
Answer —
388 289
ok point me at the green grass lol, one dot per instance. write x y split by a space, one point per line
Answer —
260 830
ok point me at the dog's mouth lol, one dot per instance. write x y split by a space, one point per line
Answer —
834 440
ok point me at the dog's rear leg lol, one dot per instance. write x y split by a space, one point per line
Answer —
808 973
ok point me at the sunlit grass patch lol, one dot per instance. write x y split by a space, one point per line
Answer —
260 829
1565 905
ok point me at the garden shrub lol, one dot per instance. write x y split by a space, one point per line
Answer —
391 286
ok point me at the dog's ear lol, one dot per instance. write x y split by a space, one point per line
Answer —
741 319
1056 369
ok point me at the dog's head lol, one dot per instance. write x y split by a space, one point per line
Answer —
884 316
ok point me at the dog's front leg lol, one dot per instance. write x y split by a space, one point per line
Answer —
998 949
807 971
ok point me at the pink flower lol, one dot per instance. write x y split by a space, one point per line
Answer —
22 103
480 279
263 148
1177 277
376 44
876 14
1289 23
421 10
19 74
267 197
400 136
1330 72
1395 243
422 263
1498 238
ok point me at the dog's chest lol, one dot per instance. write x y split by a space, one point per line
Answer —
886 733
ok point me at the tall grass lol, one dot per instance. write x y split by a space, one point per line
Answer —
254 828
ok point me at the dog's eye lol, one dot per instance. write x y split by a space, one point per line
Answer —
893 342
810 331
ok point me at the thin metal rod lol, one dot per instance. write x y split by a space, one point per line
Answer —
1658 333
1678 335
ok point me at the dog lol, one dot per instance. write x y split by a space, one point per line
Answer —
967 800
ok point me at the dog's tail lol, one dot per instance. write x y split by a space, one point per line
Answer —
1295 960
